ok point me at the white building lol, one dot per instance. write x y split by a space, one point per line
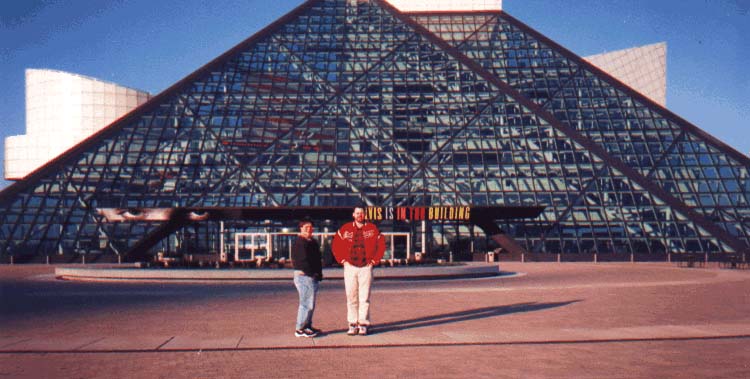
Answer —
63 109
642 68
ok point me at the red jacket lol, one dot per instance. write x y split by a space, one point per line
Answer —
344 240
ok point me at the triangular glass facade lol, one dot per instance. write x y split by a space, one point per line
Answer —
342 103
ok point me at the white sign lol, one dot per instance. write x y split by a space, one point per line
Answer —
446 5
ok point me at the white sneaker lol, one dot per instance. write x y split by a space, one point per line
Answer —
353 330
363 330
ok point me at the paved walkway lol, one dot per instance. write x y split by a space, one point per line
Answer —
549 320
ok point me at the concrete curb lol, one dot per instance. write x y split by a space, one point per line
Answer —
467 270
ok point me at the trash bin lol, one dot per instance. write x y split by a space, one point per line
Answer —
490 256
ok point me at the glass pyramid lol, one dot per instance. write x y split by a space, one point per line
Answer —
343 103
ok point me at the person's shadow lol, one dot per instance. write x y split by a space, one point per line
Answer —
467 315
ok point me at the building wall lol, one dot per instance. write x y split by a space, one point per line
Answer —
396 121
62 109
643 68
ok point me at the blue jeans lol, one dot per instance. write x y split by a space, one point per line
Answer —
307 287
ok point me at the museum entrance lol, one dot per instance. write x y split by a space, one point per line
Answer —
245 233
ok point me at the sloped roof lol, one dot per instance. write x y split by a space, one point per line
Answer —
351 102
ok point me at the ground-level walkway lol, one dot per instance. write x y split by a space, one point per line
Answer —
547 320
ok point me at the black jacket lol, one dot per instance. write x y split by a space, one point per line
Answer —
306 257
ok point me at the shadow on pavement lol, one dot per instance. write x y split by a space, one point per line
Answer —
453 317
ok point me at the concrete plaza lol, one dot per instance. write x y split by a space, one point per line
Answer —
617 320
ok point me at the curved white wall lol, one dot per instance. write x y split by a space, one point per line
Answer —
643 68
62 109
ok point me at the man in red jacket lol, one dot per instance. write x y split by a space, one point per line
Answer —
358 246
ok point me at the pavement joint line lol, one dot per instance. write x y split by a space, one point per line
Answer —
382 346
566 287
545 288
15 343
90 343
109 293
239 342
165 342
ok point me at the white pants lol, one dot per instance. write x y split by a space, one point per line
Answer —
357 281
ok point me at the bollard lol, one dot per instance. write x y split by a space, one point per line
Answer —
523 257
596 258
11 259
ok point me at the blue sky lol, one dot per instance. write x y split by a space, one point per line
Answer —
149 45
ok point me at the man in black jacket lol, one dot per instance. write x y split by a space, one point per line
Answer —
308 272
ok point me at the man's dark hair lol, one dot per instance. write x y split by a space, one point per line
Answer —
303 223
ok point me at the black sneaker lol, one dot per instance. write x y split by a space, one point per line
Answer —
304 333
311 332
314 330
